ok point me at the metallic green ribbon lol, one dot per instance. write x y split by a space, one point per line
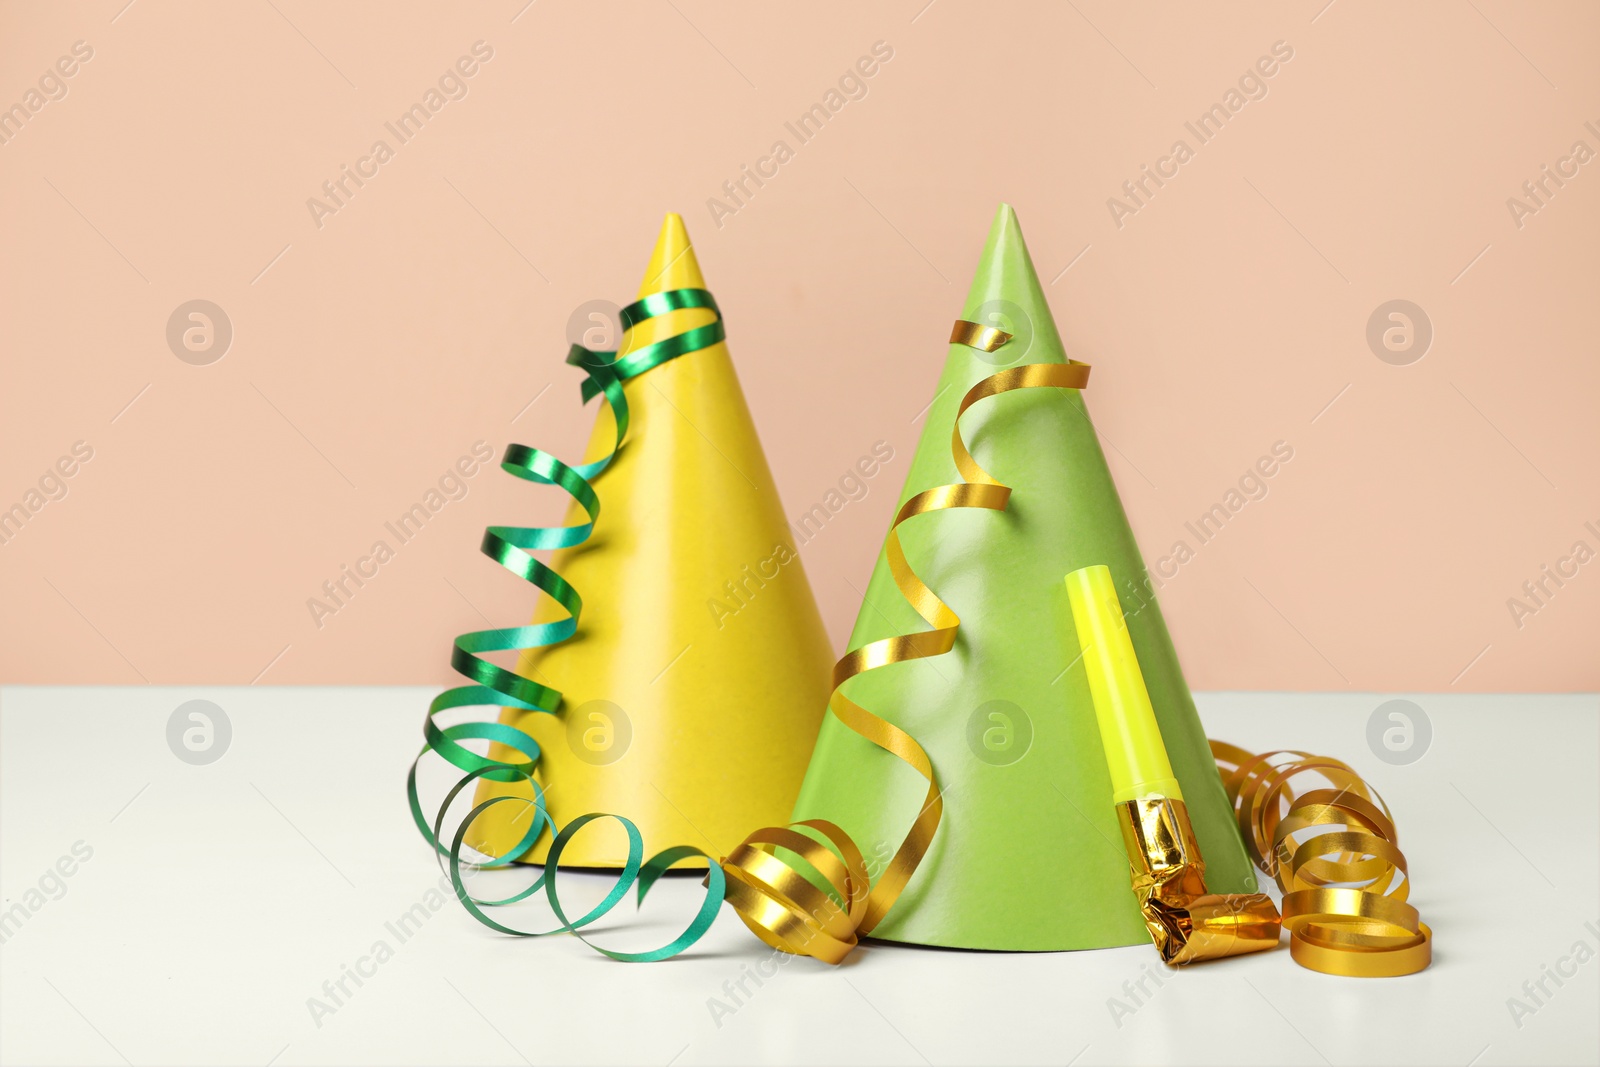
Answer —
495 686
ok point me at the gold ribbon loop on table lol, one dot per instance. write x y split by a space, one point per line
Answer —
1345 889
783 907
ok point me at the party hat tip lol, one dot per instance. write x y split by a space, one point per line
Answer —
673 264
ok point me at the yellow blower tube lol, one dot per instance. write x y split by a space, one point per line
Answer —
1134 750
1186 923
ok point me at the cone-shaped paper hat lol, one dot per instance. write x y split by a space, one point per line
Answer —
1029 853
696 680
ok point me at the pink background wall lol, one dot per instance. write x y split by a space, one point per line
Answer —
1228 313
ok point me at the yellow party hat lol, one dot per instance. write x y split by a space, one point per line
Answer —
696 680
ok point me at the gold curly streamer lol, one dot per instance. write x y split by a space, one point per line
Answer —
1364 931
779 903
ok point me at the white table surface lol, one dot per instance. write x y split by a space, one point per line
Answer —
219 898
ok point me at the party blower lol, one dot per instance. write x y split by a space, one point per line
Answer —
1186 922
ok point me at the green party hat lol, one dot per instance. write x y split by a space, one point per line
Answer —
1029 854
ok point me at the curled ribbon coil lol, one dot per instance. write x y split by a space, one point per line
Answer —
1334 853
495 686
775 899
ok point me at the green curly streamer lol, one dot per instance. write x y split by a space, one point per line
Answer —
495 686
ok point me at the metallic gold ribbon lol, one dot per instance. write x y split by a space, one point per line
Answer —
774 898
1345 889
